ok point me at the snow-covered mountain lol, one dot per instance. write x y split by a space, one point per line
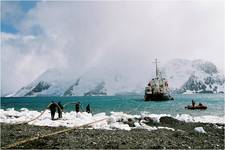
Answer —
184 76
198 76
94 82
102 82
50 83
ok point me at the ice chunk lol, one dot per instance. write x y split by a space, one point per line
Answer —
121 126
199 129
184 117
167 128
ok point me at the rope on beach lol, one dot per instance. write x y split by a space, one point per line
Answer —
73 103
69 103
33 118
45 111
39 115
50 134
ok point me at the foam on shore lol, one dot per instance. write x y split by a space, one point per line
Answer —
113 121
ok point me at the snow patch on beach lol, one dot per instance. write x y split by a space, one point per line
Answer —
116 120
204 119
199 130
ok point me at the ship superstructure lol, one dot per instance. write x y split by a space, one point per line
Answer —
158 88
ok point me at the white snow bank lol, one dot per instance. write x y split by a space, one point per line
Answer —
144 126
113 121
166 128
218 127
70 119
212 119
204 119
199 129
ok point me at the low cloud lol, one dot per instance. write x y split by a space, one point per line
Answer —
120 36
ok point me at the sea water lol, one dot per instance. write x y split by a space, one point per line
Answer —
128 104
114 107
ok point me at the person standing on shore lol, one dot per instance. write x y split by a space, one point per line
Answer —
60 109
52 108
77 107
88 110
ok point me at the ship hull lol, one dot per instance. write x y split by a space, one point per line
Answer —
158 97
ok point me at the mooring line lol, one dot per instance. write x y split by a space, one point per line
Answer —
43 113
50 134
32 119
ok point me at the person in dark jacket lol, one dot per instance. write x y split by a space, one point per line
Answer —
88 110
53 106
193 103
77 107
200 104
60 109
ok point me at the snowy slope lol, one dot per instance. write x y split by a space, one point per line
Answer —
103 82
51 83
184 76
197 76
94 82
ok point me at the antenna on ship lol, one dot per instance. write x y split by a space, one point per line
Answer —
156 68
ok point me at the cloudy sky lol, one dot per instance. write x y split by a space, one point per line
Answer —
124 36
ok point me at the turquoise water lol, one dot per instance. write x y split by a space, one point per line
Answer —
128 104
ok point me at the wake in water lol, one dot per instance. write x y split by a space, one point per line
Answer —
115 120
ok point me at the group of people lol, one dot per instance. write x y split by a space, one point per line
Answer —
77 108
193 103
59 107
55 106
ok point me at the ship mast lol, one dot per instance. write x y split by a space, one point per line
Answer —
156 67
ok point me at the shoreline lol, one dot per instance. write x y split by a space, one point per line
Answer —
183 136
43 118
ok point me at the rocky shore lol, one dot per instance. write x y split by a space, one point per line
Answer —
184 136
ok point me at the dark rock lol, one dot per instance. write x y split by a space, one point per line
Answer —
41 86
130 122
169 120
112 145
98 90
69 91
149 121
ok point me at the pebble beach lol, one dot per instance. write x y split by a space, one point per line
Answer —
176 135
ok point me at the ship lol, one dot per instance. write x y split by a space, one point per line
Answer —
157 89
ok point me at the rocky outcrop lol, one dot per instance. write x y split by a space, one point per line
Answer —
209 84
41 86
69 91
99 90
